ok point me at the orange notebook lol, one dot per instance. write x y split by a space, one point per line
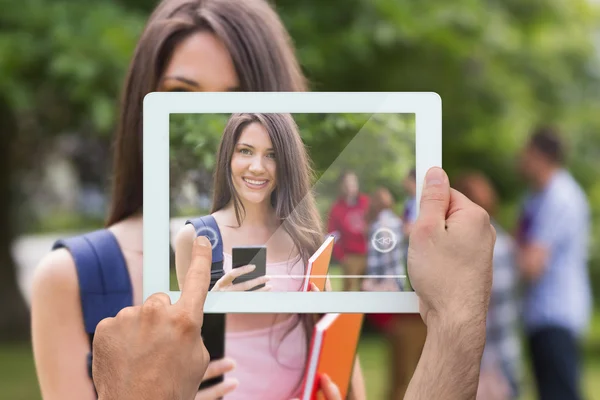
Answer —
332 352
318 266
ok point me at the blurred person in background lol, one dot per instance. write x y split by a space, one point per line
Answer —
553 237
383 260
187 45
347 223
500 366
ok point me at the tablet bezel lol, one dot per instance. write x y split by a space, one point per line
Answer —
158 106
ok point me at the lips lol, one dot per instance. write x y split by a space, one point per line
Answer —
255 183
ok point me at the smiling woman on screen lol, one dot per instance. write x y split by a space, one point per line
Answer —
186 45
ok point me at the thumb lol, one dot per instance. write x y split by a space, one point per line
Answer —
435 197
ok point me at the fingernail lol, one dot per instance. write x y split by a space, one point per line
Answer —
435 176
230 363
202 241
231 382
251 267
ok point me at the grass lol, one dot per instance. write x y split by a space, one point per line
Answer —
18 378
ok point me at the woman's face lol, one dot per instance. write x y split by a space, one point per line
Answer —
350 185
199 63
253 166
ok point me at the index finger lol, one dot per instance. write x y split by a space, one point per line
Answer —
197 280
330 389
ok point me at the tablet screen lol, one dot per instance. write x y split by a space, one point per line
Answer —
294 179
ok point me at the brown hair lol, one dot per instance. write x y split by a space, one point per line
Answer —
381 200
547 141
292 198
478 188
262 54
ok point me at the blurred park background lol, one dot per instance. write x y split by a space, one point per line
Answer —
500 67
379 148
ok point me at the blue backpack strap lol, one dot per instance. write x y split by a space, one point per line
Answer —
104 283
207 226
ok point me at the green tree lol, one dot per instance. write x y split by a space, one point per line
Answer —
501 67
61 66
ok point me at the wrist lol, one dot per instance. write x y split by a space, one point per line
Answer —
459 320
129 392
458 334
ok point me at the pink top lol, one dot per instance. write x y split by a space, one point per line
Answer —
284 276
270 361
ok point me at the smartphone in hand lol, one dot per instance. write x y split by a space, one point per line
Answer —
213 336
245 255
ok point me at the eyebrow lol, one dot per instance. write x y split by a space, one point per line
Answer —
249 145
184 80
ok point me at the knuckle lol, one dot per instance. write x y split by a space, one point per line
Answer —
185 324
152 307
103 327
480 216
433 196
125 313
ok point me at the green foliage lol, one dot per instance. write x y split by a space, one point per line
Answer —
62 64
500 67
378 147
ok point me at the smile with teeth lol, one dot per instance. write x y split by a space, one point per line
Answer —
255 183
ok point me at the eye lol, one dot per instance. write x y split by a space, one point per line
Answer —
271 155
245 151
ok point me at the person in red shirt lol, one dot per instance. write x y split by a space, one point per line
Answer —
347 223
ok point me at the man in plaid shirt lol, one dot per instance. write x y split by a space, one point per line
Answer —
500 365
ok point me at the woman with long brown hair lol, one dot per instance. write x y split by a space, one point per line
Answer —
262 196
187 45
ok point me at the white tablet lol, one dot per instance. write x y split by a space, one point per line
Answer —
349 165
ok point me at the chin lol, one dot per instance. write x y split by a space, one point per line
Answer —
253 198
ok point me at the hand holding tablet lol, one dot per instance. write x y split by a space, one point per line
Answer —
450 253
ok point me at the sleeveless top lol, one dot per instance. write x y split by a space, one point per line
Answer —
269 361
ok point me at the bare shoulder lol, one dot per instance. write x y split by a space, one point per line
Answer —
185 236
57 267
225 218
55 284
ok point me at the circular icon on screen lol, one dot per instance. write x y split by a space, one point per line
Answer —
210 234
384 240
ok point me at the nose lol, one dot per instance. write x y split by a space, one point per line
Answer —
256 165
